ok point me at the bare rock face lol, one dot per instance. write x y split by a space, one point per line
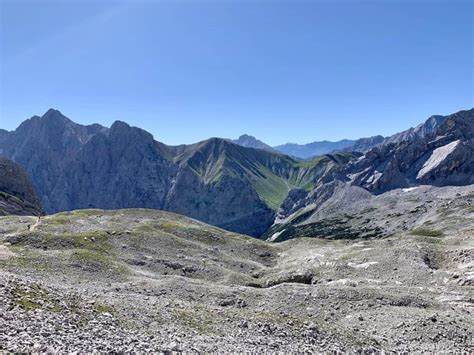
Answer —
115 169
443 157
17 196
421 131
219 204
365 144
43 146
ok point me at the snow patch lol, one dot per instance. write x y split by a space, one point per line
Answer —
408 189
374 178
274 236
437 157
355 176
363 265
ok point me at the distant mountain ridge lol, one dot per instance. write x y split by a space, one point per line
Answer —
310 150
305 151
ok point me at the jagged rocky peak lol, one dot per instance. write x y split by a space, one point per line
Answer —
422 130
122 132
55 128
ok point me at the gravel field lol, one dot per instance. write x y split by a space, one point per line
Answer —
152 281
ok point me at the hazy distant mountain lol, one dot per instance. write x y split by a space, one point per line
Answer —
237 188
251 142
305 151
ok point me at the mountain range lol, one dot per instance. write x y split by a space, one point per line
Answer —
216 181
311 150
243 185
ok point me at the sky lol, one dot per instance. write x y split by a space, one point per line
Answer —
283 71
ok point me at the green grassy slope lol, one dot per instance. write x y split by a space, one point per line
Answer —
272 175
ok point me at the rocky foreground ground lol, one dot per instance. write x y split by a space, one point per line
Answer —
146 280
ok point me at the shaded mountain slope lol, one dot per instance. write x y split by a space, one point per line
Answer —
17 196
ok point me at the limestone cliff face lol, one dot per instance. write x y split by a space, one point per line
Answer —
43 146
442 157
119 168
17 196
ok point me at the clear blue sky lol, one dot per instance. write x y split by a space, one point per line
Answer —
283 71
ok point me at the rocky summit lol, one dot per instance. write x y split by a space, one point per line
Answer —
131 245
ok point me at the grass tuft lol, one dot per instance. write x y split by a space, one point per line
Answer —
427 232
